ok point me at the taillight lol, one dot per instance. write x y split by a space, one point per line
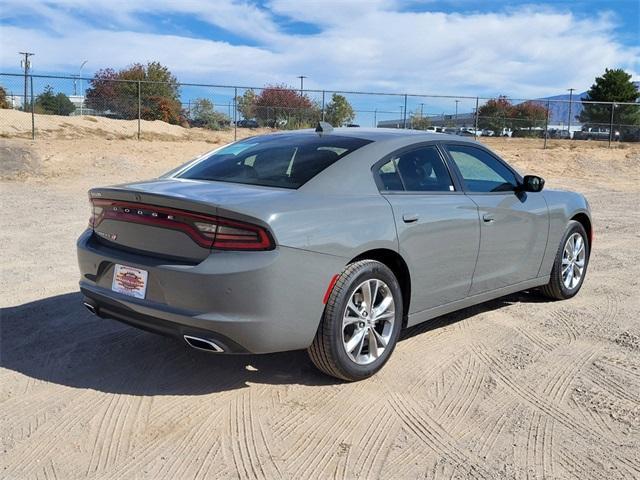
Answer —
208 231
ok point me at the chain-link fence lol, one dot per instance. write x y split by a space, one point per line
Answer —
70 107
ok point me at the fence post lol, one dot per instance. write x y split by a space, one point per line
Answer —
323 105
546 124
404 115
33 117
139 107
476 119
613 109
375 118
235 114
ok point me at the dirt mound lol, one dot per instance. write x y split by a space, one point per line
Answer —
14 123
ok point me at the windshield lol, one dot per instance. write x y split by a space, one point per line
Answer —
283 160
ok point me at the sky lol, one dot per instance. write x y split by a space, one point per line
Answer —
449 47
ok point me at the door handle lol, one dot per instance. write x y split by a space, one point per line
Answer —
488 218
410 218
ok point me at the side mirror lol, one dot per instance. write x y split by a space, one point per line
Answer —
532 183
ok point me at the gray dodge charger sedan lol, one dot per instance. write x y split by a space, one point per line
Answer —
331 240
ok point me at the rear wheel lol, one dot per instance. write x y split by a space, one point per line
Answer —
361 322
570 265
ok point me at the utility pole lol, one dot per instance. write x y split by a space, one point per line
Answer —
27 65
404 118
571 90
301 77
421 110
81 91
457 102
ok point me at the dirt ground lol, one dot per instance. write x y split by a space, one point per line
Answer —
516 388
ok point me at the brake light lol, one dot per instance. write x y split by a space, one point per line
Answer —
208 231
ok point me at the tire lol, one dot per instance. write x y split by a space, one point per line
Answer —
557 288
328 351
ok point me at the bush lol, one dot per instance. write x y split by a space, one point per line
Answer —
3 98
203 115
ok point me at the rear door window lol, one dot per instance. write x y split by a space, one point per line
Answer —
282 160
420 170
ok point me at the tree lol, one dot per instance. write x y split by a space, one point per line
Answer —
419 122
339 111
493 114
246 104
278 105
3 98
501 113
203 114
529 115
117 92
49 103
613 86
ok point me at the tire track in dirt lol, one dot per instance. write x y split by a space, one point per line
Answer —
195 445
312 424
373 452
557 414
611 385
563 318
44 442
535 339
315 457
459 407
435 437
284 426
247 443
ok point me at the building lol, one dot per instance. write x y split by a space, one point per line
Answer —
443 120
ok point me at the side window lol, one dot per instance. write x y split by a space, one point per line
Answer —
481 172
389 178
423 170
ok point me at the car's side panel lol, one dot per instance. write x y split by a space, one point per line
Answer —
341 225
440 247
469 301
514 229
563 206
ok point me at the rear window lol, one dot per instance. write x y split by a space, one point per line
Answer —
282 160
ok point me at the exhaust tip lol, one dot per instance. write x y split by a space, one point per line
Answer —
91 308
202 344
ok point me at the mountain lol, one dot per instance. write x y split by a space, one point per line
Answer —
559 111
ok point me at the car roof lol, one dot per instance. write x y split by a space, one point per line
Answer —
381 134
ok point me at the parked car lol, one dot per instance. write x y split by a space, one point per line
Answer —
465 133
595 133
332 240
247 123
434 129
488 133
558 133
352 125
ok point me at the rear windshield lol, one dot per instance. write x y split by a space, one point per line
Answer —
282 160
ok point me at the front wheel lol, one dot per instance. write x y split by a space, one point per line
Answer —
570 264
361 322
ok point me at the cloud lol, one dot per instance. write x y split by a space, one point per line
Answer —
369 45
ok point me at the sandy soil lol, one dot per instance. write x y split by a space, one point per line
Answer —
516 388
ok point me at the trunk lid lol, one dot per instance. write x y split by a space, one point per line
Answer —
159 217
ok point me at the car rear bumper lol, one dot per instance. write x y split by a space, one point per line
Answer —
251 302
